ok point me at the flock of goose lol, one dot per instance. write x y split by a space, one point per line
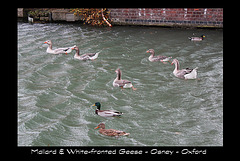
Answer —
119 82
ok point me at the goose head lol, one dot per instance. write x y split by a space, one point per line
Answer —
118 70
175 61
75 48
49 42
151 51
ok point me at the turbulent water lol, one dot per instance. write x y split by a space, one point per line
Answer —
56 92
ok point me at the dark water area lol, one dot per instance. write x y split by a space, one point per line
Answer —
55 92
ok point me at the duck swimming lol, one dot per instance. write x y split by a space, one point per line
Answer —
153 58
110 132
118 82
59 50
87 56
106 113
184 73
196 38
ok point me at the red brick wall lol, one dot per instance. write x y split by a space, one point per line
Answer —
193 17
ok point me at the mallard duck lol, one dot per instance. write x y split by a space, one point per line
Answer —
153 58
59 50
110 132
196 38
106 113
184 73
118 82
87 56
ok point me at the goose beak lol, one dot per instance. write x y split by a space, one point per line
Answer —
72 48
96 127
147 51
172 63
45 42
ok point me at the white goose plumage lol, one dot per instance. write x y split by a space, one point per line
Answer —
118 82
184 73
87 56
59 50
153 58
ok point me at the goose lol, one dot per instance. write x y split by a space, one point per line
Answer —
153 58
106 113
59 50
118 82
196 38
184 73
110 132
87 56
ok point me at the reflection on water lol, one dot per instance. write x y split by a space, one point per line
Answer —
55 92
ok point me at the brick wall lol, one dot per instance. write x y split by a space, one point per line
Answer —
183 17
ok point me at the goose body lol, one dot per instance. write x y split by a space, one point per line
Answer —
59 50
106 113
110 132
196 38
118 82
184 73
153 58
87 56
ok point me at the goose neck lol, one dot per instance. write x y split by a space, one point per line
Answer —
177 66
119 75
77 52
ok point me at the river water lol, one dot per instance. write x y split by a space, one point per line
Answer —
55 92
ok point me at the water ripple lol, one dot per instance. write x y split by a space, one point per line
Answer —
55 92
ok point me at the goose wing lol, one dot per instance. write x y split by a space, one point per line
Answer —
183 72
121 83
90 54
84 57
62 50
187 71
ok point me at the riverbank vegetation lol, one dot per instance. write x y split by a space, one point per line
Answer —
94 16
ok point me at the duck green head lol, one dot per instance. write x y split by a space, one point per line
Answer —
98 105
